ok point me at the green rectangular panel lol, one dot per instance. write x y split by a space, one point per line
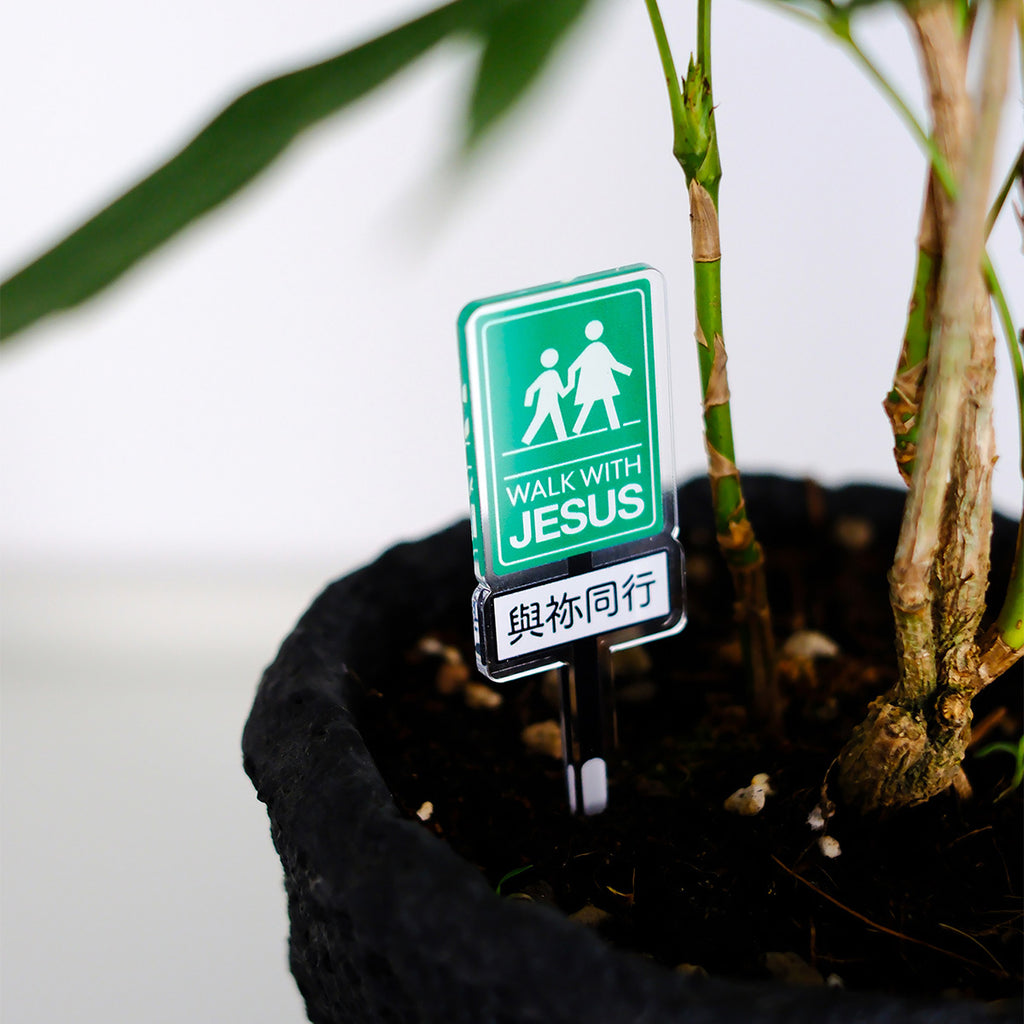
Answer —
562 421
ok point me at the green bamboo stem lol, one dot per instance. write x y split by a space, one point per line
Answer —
1003 644
695 146
1015 173
1010 623
903 403
1006 321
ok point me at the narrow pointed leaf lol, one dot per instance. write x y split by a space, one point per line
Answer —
520 41
245 138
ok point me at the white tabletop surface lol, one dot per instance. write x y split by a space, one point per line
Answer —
139 880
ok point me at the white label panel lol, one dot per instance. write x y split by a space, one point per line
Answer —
600 601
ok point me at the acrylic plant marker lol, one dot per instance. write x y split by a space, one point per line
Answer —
573 496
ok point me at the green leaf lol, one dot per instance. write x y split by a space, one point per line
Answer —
244 139
520 40
1016 751
509 875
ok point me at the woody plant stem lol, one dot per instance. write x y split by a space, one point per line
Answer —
912 743
695 146
943 44
943 37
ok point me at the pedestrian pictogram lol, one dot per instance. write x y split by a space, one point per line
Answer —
595 369
548 391
591 379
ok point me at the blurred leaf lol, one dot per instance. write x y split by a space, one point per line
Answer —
520 40
226 155
826 11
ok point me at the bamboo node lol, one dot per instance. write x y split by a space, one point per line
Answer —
740 536
719 465
717 392
703 225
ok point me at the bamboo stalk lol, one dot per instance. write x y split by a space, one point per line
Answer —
957 400
695 146
911 745
942 44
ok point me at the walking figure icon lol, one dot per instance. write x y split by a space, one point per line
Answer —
592 375
548 389
596 368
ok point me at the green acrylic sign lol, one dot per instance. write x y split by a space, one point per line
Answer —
560 387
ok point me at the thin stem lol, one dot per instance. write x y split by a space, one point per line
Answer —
1015 172
839 27
712 168
1003 644
903 403
897 101
1006 322
704 37
1020 40
948 181
1011 618
668 65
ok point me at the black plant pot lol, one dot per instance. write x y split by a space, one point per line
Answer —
387 922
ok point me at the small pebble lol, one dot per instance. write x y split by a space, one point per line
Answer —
430 645
477 695
425 811
453 672
816 819
543 738
834 981
809 644
829 846
792 969
450 678
538 892
854 532
750 800
691 970
589 915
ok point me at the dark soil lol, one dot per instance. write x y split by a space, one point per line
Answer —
925 902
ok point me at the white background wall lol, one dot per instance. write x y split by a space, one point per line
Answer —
274 397
281 382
